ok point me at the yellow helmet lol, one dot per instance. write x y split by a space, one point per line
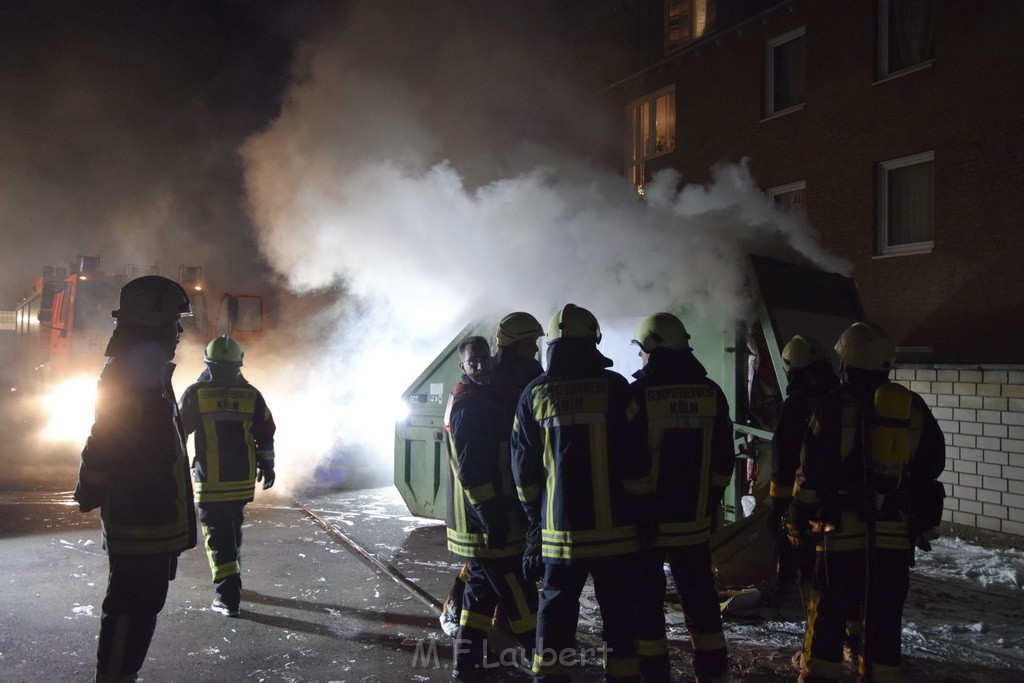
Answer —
662 331
224 349
866 346
516 326
801 351
574 322
152 301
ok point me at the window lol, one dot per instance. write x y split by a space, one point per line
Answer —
652 124
687 20
906 205
906 35
784 70
788 198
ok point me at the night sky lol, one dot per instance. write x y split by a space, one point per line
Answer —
119 129
121 122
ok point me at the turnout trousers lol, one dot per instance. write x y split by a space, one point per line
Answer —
136 592
558 616
837 596
488 583
222 533
695 584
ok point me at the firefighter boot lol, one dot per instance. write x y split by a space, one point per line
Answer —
123 644
229 595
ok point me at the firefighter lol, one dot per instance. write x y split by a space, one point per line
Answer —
486 525
515 361
683 421
234 449
134 468
582 487
810 376
515 364
868 490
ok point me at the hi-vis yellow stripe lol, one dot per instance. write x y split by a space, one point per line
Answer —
577 402
681 406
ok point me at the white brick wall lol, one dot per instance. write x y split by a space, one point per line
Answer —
981 412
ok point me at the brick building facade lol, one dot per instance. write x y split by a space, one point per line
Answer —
898 127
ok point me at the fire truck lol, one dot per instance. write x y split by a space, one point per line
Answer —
62 325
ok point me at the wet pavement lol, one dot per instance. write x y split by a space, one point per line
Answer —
312 610
339 586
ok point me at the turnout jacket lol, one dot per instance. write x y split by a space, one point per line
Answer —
512 373
806 389
481 497
134 465
831 484
577 476
234 432
682 420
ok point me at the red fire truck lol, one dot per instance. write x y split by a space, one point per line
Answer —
63 323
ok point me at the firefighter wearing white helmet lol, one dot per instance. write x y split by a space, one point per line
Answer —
135 470
867 492
682 421
810 377
581 485
515 360
234 448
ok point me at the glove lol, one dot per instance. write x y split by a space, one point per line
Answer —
798 523
496 537
88 495
715 496
645 512
533 563
494 516
778 522
265 472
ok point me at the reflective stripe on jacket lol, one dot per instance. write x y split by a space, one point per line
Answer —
573 463
479 479
831 478
683 420
232 424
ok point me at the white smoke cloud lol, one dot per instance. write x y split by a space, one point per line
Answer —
367 187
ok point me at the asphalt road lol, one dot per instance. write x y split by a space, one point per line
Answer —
314 609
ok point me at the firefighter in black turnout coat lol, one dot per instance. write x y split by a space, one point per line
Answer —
811 377
581 486
515 364
134 468
682 419
866 493
486 525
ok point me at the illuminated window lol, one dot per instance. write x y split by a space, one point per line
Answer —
906 205
784 71
687 20
906 35
789 197
652 125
